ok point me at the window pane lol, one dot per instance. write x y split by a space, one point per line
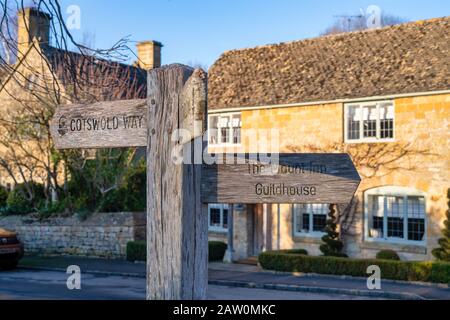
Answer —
386 121
214 217
416 207
225 218
319 211
376 214
213 132
301 218
224 135
416 218
319 222
416 229
305 212
370 121
236 124
354 117
377 227
394 213
395 228
305 221
224 127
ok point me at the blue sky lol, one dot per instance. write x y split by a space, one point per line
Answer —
198 31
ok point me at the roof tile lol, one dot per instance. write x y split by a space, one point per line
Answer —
407 58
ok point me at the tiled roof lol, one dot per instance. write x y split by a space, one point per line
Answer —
97 77
407 58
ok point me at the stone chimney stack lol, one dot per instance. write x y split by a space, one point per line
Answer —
149 54
32 23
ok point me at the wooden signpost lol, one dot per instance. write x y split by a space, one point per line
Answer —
110 124
177 231
178 193
290 178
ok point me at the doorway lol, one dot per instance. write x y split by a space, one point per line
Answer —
262 227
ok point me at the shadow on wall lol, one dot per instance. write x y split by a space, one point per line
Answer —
372 161
375 159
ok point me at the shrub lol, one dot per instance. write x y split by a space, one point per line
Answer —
47 208
332 245
131 196
443 252
388 255
129 181
136 251
438 272
216 250
19 202
3 196
135 190
295 251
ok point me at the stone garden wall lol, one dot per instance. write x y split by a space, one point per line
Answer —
101 235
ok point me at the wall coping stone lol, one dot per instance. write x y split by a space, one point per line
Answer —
97 219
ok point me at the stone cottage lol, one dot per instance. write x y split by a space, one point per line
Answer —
39 79
42 76
382 95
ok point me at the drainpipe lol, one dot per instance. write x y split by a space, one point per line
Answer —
265 244
278 226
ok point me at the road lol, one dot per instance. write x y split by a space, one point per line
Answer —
31 284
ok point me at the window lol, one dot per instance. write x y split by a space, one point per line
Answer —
224 129
369 122
218 217
310 219
395 214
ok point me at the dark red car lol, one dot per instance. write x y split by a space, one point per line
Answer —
11 249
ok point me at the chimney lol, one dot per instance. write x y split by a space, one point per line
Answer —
32 23
149 54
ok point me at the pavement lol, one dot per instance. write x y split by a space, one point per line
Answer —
254 277
28 284
247 277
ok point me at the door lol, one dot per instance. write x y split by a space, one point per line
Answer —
261 228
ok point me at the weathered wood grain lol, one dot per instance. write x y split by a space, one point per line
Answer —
320 178
177 230
109 124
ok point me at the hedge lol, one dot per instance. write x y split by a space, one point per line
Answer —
388 255
294 251
136 251
216 250
437 272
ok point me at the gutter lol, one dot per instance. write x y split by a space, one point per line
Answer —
314 103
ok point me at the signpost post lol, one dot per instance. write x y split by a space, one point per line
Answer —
178 193
177 231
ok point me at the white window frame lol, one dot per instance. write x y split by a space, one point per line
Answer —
220 229
361 124
310 233
219 132
394 191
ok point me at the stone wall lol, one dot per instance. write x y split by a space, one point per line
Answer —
242 235
101 235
